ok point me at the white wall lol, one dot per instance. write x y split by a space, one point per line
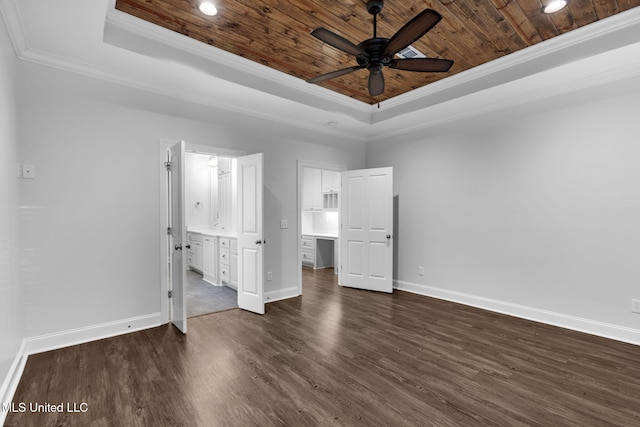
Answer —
92 215
11 329
532 211
197 196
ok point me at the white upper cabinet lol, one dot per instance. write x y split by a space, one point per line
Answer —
311 189
330 181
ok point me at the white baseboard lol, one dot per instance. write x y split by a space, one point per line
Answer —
62 339
593 327
11 381
281 294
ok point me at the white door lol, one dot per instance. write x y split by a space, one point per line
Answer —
178 241
366 229
250 233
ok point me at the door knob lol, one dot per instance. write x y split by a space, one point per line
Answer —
188 246
258 242
388 236
178 247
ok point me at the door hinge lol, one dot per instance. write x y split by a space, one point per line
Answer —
170 294
167 165
169 231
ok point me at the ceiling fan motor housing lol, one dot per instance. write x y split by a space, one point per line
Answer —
374 48
375 6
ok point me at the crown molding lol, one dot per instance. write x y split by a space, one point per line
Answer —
363 122
12 19
568 79
11 15
601 36
132 33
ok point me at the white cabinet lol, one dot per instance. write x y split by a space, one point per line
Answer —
330 181
233 264
209 259
330 189
319 252
320 189
229 262
224 165
224 201
311 189
194 251
308 249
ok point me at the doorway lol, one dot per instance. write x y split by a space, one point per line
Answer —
210 194
361 233
228 252
318 216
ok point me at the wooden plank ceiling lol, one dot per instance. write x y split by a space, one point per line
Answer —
276 32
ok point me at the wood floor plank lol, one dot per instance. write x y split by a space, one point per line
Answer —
344 357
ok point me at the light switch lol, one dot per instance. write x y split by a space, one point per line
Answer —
28 171
284 223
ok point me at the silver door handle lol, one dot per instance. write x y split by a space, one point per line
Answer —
388 236
177 247
258 242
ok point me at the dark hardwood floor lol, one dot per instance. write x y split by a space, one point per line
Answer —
339 356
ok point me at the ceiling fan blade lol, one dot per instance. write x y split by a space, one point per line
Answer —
376 81
338 42
411 31
431 65
332 75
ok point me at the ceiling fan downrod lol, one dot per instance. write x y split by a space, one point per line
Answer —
374 7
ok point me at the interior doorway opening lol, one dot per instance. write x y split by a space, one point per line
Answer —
318 215
231 234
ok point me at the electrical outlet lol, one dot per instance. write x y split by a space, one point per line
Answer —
284 223
420 271
269 276
635 306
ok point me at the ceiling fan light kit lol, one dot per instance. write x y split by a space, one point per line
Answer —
376 53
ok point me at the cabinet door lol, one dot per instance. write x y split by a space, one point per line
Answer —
224 201
209 259
330 181
197 249
311 189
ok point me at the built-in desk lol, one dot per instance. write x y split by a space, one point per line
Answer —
320 250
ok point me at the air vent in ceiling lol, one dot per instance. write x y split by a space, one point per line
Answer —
410 52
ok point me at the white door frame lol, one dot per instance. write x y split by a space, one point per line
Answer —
307 164
165 252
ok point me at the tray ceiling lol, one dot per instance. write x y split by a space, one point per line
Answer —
276 33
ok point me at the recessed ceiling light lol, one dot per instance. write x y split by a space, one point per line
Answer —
207 8
554 6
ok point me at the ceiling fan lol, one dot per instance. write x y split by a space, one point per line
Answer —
376 53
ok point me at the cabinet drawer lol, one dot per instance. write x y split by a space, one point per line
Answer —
224 243
194 237
224 256
307 257
307 243
224 273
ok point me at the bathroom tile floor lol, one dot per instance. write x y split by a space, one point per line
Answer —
204 298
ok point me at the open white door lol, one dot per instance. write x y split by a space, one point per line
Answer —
366 229
250 233
178 233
